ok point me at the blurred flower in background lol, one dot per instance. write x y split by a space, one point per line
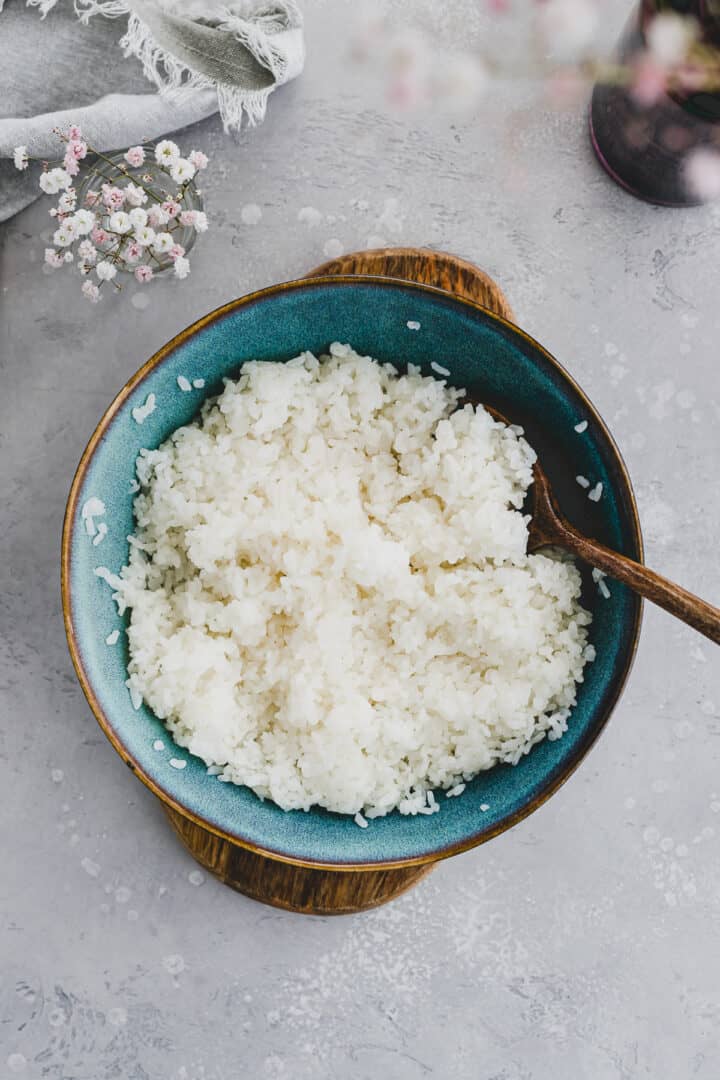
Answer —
560 54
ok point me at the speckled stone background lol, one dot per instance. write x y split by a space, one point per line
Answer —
583 945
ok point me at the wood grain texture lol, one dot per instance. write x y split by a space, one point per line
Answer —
293 888
271 881
549 526
436 268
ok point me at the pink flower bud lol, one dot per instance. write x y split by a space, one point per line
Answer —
74 132
135 156
143 274
176 251
171 207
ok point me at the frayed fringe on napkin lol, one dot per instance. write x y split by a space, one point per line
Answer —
242 49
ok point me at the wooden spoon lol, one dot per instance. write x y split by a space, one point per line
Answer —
548 526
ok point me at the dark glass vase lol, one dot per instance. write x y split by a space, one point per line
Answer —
645 148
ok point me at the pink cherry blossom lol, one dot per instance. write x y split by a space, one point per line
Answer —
176 251
113 197
143 274
198 159
135 156
99 237
74 132
649 82
171 207
77 148
133 252
70 163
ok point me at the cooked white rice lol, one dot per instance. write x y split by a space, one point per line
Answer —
331 596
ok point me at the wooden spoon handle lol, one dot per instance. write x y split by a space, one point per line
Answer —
678 601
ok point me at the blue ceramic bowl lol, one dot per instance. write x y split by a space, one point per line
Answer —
498 364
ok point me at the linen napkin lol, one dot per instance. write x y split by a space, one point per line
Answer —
201 55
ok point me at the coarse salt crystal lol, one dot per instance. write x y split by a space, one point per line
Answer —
135 698
184 383
158 745
582 481
582 426
100 534
596 493
198 383
177 763
412 324
438 368
360 820
484 807
112 638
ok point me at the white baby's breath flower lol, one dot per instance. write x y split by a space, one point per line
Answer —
182 170
138 217
120 222
201 221
91 291
105 270
87 251
182 267
66 202
134 195
55 180
84 221
166 152
162 243
157 216
198 159
65 234
68 256
144 236
53 258
20 157
669 37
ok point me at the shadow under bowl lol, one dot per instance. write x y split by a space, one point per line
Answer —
498 364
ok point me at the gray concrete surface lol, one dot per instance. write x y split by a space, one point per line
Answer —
583 944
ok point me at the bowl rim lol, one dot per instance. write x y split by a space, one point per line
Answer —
436 854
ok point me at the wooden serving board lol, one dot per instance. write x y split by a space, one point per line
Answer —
306 889
448 272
